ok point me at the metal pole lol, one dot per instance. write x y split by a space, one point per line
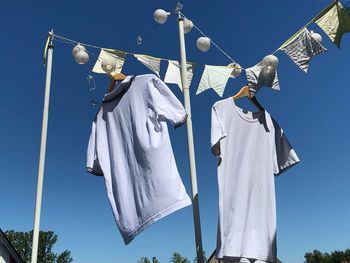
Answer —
39 189
186 91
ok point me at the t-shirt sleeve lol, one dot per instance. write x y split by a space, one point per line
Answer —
92 162
217 131
167 105
284 154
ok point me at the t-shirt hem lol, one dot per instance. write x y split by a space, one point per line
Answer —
239 256
289 164
179 124
156 217
91 171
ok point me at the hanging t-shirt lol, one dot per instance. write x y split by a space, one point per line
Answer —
251 148
130 146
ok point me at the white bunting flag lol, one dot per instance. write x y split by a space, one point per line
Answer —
118 56
214 77
173 75
262 76
301 48
150 62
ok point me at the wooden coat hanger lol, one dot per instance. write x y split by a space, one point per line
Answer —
116 77
245 92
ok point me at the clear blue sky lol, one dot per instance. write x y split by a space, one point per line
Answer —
312 198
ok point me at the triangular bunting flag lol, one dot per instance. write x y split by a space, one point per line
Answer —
214 77
261 76
335 22
150 62
302 48
118 56
173 75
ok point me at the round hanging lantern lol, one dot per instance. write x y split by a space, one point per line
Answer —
236 70
160 16
203 44
108 65
82 57
316 36
270 61
78 48
188 25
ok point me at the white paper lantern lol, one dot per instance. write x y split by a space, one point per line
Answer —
82 57
78 48
160 16
270 61
188 25
203 44
316 36
108 65
236 70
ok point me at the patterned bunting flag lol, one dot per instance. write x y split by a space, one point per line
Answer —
262 76
334 22
173 75
150 62
301 48
214 77
118 56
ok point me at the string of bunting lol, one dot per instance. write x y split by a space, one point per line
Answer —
334 20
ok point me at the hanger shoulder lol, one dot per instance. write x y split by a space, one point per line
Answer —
243 92
119 76
116 77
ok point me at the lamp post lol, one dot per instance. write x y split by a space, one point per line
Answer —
190 143
39 189
185 26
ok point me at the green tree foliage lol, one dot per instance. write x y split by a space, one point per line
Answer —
177 258
22 242
144 260
334 257
204 258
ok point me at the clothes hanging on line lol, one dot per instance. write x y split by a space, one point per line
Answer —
251 148
130 147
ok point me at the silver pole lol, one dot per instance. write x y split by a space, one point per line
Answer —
186 91
39 189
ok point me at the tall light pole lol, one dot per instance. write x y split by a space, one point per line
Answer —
190 143
39 189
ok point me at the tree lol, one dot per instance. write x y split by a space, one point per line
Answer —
144 260
22 242
177 258
204 258
334 257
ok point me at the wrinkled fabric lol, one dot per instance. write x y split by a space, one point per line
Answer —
130 147
335 23
214 77
118 56
173 73
260 76
150 62
301 48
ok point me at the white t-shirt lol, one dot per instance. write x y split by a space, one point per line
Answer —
130 146
251 148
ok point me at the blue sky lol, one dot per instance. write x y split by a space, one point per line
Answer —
312 198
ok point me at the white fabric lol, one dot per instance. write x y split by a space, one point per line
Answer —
251 148
214 77
173 74
302 48
150 62
260 76
130 146
118 56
